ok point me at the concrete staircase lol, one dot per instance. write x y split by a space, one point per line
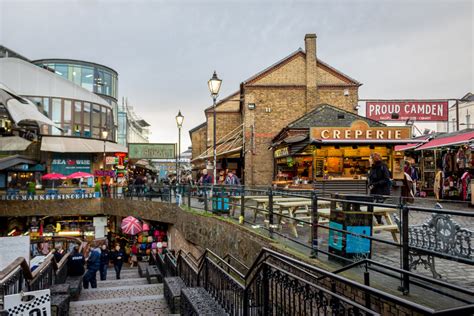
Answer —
131 295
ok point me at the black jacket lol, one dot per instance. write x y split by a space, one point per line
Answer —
379 179
118 257
104 257
75 264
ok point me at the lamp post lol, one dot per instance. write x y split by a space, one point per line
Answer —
179 123
105 133
214 86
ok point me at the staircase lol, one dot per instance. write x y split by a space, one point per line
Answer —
131 295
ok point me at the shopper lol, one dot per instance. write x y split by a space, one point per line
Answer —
379 180
134 256
232 179
75 263
93 265
58 253
118 257
104 262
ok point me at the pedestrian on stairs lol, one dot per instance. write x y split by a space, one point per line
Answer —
104 262
93 265
118 257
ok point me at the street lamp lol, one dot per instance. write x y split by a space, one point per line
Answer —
179 123
214 86
105 133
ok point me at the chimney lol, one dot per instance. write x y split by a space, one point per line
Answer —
311 74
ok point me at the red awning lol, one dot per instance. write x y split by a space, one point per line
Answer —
406 147
459 139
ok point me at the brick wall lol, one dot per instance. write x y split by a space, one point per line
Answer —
198 140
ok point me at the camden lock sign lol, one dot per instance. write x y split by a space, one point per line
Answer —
360 130
151 151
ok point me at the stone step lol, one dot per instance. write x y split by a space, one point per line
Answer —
124 274
112 282
124 291
127 306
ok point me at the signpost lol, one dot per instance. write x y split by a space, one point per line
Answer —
419 110
151 151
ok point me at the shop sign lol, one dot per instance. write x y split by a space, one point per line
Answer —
151 151
47 197
360 130
69 164
110 160
104 173
29 303
281 152
417 110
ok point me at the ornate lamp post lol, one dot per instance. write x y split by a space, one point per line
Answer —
105 133
179 123
214 87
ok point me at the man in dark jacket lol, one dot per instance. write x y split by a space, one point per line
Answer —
379 180
379 177
75 263
104 262
118 258
93 265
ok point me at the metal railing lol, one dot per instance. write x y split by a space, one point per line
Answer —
18 277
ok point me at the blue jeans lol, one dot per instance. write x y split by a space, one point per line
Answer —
103 272
90 277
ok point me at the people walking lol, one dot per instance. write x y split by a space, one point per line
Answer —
93 265
231 178
75 263
104 262
118 257
379 180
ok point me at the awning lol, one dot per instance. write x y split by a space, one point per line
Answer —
14 160
13 143
79 145
366 141
224 154
406 147
21 109
439 142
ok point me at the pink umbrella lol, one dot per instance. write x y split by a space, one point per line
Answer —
131 225
80 174
53 176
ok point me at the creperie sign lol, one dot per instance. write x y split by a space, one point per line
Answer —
360 130
417 110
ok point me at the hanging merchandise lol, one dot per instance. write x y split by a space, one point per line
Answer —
146 226
461 158
465 185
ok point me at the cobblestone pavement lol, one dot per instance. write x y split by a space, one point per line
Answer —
131 295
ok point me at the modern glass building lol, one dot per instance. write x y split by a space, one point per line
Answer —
96 78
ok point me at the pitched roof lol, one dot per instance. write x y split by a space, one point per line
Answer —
326 115
197 127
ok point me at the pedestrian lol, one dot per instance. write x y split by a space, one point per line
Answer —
379 180
231 178
118 257
104 262
58 253
75 263
93 265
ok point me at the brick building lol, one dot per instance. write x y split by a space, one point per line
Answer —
250 118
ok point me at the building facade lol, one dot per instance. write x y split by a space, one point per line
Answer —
264 104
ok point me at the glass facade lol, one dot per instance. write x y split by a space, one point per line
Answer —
75 117
95 78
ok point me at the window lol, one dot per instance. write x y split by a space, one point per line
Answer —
77 118
67 117
56 115
104 117
46 107
96 115
76 75
62 70
87 78
87 119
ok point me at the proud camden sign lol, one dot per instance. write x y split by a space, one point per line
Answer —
404 110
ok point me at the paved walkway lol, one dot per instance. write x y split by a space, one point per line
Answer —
131 295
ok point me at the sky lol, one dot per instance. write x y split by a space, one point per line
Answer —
166 51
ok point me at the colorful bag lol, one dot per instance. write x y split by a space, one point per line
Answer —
143 246
153 245
145 227
140 238
164 244
150 239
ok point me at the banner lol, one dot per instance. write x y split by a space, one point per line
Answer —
36 303
404 110
69 163
151 151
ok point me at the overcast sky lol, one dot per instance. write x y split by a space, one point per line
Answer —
165 51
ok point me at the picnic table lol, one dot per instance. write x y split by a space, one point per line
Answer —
236 200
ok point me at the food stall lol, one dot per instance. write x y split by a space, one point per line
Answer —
335 156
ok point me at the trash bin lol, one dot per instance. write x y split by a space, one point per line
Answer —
352 217
220 201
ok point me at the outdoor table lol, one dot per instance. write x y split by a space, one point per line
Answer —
236 200
262 202
292 208
52 192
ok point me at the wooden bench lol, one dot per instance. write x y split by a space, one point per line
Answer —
172 287
197 301
152 273
443 237
142 268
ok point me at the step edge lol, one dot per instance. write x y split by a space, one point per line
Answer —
158 297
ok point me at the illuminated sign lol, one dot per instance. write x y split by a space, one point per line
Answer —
360 130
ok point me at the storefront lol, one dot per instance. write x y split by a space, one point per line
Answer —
16 172
335 146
